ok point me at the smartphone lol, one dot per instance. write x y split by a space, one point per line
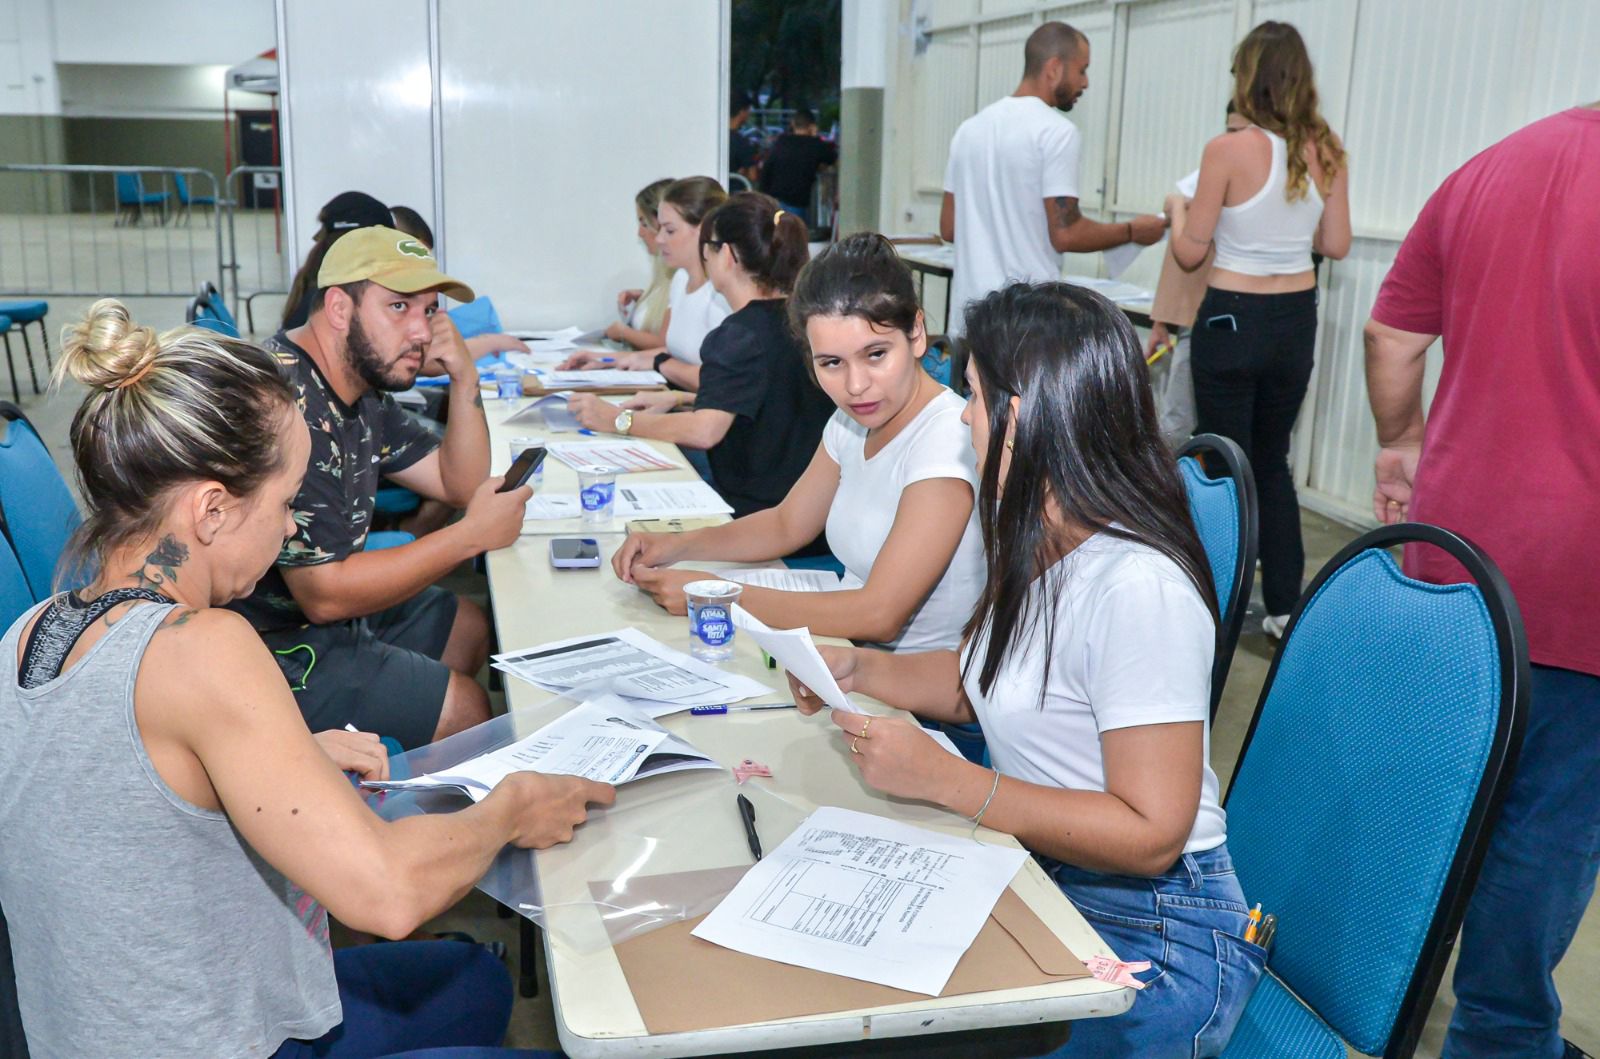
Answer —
1225 322
574 553
522 469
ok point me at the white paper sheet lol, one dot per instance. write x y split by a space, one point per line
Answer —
602 739
1114 290
1188 185
786 580
601 377
622 455
648 500
1118 258
627 662
549 412
868 898
795 651
549 507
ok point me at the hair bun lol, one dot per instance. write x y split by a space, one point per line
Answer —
107 350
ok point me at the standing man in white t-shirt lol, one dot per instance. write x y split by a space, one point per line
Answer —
1011 186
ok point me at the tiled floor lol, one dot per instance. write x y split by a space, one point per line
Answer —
1578 977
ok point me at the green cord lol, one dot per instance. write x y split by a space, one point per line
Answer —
308 649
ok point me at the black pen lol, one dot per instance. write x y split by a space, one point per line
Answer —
747 813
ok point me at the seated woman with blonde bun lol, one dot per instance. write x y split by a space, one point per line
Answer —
892 481
166 810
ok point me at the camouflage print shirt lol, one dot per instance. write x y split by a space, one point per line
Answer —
352 447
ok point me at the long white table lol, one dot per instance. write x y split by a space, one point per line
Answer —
687 821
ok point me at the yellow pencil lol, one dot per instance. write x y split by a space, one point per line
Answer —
1255 920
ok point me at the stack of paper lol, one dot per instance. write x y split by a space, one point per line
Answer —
785 580
867 898
600 378
647 500
602 739
1113 290
629 663
622 455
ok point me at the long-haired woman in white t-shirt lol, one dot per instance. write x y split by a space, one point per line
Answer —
892 482
1088 664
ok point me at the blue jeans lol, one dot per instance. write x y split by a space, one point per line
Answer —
415 995
1189 922
1537 878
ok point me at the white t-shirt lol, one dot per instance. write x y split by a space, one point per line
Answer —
933 445
1133 646
1005 161
694 315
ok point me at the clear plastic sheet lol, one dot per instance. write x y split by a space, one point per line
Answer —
632 867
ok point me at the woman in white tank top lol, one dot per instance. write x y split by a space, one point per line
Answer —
1268 198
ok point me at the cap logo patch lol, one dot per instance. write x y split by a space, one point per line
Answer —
413 248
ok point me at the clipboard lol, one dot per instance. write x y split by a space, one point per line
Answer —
681 983
532 388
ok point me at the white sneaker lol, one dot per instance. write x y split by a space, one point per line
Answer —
1274 624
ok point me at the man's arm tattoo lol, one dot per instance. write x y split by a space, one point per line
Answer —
1067 212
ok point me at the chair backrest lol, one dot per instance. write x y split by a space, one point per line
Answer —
130 189
1371 775
181 186
209 305
37 511
15 595
1227 519
946 362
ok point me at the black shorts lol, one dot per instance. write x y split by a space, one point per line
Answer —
380 673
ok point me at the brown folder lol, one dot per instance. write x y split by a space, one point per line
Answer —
683 983
531 388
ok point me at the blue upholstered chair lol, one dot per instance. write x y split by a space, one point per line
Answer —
186 201
207 309
22 313
387 539
15 595
36 506
5 333
1225 514
132 199
1370 780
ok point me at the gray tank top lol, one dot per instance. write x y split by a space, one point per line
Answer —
141 925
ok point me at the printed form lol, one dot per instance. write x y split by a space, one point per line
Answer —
861 896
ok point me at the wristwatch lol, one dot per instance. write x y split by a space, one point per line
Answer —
624 421
661 358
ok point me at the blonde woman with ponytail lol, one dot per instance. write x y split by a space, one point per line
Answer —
645 312
166 807
1269 196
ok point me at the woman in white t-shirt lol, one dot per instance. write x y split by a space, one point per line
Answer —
892 482
694 306
1088 664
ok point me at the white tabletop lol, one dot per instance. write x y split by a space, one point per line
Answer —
687 821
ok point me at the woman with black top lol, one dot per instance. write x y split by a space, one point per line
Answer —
757 414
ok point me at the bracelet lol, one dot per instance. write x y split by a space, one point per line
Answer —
662 358
978 820
1130 230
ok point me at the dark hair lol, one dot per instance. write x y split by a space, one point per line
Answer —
410 221
1053 40
769 242
1086 438
802 118
860 275
355 289
694 197
738 100
345 212
187 405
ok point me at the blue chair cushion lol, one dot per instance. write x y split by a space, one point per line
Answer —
1372 742
477 317
396 500
5 324
15 595
24 312
211 323
815 562
1214 506
39 511
387 539
1275 1025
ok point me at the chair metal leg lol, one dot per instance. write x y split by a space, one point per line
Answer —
528 958
27 351
16 391
44 337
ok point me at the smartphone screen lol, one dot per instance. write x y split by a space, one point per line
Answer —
571 549
522 469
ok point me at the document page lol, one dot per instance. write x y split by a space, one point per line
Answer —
629 663
786 580
797 653
601 739
668 500
621 455
865 897
601 377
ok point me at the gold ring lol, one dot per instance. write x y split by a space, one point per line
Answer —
864 728
853 748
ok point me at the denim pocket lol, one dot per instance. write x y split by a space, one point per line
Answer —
1239 968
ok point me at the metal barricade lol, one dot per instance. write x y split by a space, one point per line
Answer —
96 230
258 246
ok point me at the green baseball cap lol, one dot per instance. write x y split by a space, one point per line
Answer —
390 259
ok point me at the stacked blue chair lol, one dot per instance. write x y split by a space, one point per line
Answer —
21 314
37 507
1227 519
1366 792
132 198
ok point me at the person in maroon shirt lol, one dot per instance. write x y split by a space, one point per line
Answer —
1502 264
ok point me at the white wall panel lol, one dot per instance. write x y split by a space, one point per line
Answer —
944 87
1566 44
1000 57
1092 112
357 95
1175 90
165 32
538 192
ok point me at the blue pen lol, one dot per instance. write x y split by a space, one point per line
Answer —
606 360
586 431
706 711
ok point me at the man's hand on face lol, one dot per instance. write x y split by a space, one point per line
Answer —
447 352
